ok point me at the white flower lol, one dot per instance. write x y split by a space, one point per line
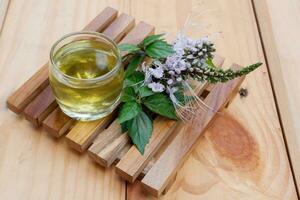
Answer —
172 73
170 81
178 71
156 87
179 79
157 72
147 73
171 90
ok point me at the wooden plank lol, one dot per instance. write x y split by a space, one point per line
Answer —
137 34
110 153
3 10
82 134
120 27
33 86
172 158
283 66
106 137
57 123
101 21
116 30
207 174
40 107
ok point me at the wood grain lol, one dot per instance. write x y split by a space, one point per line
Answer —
29 90
81 136
106 137
283 66
57 123
32 87
3 10
120 27
211 172
40 107
138 33
132 164
173 157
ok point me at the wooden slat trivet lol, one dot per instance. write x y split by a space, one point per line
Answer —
167 148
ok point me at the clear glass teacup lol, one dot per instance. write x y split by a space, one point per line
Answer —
86 75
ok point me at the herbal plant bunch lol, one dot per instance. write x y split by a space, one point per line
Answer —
160 88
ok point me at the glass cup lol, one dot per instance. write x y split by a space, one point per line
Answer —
86 75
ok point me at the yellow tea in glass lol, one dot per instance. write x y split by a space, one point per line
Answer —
86 75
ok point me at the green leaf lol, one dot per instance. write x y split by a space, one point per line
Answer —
135 78
160 104
128 94
128 111
159 49
124 126
150 39
144 91
136 60
140 130
128 47
210 63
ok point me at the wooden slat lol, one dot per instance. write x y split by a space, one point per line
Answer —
105 138
120 27
116 30
108 154
57 123
283 66
28 91
138 33
172 158
57 126
33 86
101 21
40 107
83 133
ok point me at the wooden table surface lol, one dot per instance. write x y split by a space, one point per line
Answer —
252 153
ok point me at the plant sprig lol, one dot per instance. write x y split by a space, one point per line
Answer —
145 97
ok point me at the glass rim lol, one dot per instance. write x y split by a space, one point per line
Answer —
91 33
